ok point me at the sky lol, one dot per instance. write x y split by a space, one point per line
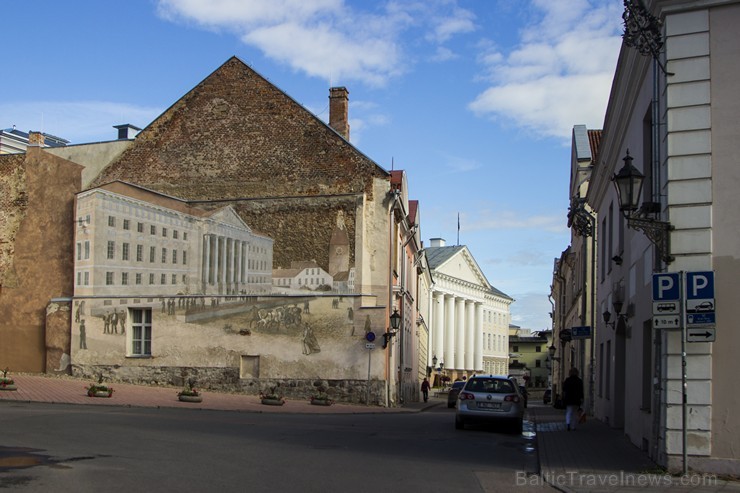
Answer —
475 99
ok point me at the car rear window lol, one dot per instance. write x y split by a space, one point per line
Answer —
491 385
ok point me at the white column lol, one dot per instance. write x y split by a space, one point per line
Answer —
459 334
478 351
238 269
449 358
222 263
205 261
213 261
470 335
438 326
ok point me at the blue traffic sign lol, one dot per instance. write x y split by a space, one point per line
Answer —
700 285
583 332
666 287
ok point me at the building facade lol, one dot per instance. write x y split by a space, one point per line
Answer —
470 318
674 116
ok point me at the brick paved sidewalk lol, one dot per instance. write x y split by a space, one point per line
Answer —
68 390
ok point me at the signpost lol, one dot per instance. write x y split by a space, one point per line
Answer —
685 300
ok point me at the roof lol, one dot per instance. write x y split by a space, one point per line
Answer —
581 143
436 256
594 141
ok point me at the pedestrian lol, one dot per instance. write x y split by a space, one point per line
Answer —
425 389
572 398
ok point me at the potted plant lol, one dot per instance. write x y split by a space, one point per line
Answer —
98 389
190 393
272 398
321 399
6 382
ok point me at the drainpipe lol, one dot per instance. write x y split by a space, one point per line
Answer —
395 194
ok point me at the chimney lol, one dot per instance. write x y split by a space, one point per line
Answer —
126 131
339 110
35 139
437 242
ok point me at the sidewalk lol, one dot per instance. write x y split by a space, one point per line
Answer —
68 390
597 458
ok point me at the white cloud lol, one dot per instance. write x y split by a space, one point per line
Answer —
77 121
560 73
530 311
515 220
331 39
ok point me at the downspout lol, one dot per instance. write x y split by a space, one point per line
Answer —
391 246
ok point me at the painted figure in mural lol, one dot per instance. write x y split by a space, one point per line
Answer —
310 344
114 322
350 314
305 307
122 321
368 327
77 313
163 306
83 335
106 323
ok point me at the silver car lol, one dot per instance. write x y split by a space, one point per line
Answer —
490 399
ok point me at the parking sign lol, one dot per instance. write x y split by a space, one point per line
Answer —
700 309
666 294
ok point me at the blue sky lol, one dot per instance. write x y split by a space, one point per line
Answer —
474 99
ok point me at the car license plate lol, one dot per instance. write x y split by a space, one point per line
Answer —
489 405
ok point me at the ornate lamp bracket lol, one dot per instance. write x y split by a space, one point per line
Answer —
642 30
658 232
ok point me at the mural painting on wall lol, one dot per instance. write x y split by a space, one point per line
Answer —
297 321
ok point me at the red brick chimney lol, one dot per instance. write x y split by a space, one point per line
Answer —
339 110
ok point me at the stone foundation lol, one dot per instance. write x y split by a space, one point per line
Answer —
227 380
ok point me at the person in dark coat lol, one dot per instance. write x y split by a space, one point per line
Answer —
572 398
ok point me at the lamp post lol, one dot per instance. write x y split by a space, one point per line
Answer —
395 320
628 182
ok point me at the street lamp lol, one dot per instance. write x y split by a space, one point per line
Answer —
395 324
628 182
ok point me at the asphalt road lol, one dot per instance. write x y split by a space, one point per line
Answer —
68 448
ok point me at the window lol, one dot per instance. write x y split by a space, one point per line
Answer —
139 253
79 278
108 278
125 224
537 363
152 253
141 332
140 227
151 278
184 257
164 232
124 252
174 256
153 229
163 279
174 233
515 349
112 221
185 236
174 278
164 255
538 349
87 278
124 278
138 278
79 251
111 249
87 250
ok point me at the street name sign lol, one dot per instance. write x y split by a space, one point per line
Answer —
581 332
700 334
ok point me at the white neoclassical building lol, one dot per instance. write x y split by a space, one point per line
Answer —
470 318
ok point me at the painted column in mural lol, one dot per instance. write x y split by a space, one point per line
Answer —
206 262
